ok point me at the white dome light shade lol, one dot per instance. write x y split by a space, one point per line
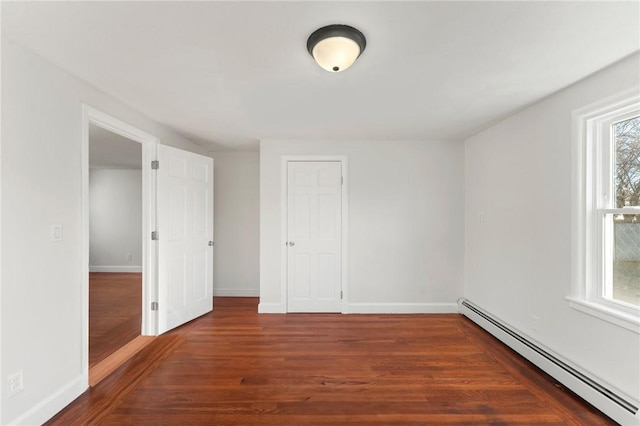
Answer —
336 54
336 47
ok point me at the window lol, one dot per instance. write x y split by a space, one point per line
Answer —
622 225
607 211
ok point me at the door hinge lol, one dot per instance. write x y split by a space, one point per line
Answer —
154 306
341 295
341 180
155 165
154 236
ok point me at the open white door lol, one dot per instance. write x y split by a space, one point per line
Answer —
185 236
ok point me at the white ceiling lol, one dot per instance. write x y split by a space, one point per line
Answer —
227 74
108 150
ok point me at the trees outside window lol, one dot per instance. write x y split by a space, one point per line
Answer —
625 268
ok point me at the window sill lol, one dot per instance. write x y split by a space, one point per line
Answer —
613 316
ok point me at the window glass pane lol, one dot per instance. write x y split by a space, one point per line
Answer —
627 147
626 258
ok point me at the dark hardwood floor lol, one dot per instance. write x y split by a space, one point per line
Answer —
115 312
235 367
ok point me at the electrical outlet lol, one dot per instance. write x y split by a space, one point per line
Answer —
129 257
481 217
535 323
15 383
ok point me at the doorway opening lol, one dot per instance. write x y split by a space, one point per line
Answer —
115 242
118 261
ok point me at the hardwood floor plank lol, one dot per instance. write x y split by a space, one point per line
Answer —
235 367
260 418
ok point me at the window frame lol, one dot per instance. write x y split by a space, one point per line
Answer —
594 200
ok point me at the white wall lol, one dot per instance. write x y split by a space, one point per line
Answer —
406 230
518 261
115 220
41 185
236 268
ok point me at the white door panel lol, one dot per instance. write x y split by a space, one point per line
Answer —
314 236
185 227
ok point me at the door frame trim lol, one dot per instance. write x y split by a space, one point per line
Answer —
285 160
91 115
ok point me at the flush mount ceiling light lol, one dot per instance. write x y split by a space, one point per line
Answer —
336 47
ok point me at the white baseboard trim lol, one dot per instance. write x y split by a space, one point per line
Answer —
376 308
403 308
126 269
51 405
271 308
236 292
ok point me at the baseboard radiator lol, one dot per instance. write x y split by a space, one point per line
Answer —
619 407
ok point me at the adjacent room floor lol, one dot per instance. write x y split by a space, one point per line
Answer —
115 312
233 366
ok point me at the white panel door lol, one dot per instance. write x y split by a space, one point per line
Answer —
314 236
185 231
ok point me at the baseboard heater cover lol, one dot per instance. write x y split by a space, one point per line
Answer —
603 398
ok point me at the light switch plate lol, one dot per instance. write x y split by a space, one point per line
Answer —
56 233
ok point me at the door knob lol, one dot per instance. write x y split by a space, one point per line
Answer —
292 243
211 243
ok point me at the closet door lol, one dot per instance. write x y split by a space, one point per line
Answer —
314 236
